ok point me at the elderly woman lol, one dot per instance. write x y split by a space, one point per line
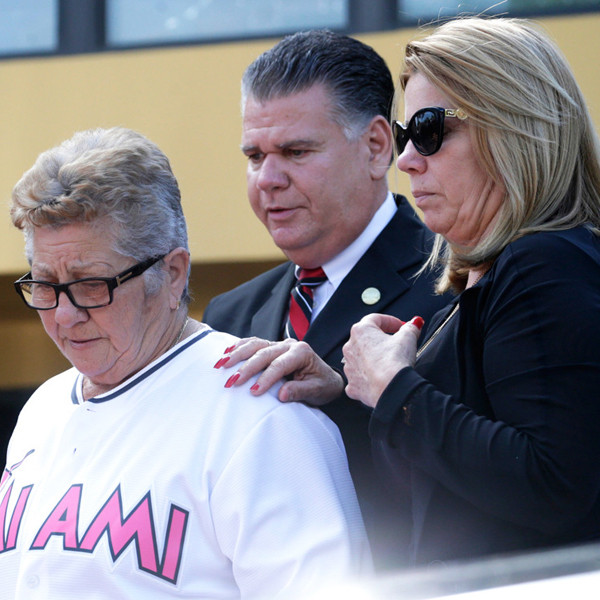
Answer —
493 426
135 473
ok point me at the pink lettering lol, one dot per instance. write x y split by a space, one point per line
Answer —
16 518
174 543
62 521
121 532
3 509
137 527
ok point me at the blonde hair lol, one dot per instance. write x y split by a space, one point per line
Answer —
531 130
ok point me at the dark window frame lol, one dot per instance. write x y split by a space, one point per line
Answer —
82 26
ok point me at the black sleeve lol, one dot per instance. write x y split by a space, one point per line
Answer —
536 462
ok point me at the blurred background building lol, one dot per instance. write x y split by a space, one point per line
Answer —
171 69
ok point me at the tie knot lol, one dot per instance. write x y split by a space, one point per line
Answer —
311 277
301 301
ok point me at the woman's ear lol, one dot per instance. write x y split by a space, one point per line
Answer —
177 263
379 139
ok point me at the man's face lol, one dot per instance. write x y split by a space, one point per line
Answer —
311 187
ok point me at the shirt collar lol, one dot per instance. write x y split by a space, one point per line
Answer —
339 266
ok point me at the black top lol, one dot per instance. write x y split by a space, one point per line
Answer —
498 426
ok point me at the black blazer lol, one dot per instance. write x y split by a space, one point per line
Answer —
259 308
498 425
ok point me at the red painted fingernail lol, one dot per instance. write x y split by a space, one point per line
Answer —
418 322
221 362
255 388
228 350
232 380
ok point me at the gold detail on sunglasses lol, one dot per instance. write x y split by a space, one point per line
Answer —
459 113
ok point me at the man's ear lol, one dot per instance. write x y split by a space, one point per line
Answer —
177 263
379 139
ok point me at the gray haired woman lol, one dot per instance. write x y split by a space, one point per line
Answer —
135 473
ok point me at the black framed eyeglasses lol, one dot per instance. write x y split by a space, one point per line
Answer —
425 129
90 292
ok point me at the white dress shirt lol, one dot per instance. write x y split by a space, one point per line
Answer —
339 266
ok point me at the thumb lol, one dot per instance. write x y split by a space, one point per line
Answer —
388 323
407 340
310 391
411 328
298 391
418 322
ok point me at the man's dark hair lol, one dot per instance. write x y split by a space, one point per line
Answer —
357 78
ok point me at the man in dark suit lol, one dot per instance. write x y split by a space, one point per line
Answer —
316 113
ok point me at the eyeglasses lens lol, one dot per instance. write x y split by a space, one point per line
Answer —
37 295
425 130
400 136
87 294
93 292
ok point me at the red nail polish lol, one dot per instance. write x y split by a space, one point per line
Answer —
232 380
255 388
221 362
418 322
228 350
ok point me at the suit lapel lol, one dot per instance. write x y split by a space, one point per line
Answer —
346 306
267 322
386 266
381 267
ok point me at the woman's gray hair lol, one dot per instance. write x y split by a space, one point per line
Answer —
531 129
115 178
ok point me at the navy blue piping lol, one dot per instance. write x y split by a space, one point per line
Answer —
141 377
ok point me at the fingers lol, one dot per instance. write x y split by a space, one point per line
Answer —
316 391
244 349
418 322
275 360
279 368
378 347
372 357
387 323
291 358
311 380
413 327
251 350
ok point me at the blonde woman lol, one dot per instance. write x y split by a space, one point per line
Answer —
493 424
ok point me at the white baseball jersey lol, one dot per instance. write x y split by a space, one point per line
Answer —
171 486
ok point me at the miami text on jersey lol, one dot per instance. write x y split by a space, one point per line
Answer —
137 529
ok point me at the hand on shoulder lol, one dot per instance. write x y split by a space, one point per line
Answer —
310 379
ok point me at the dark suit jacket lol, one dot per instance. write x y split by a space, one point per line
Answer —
498 424
259 308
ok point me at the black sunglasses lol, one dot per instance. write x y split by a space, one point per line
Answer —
425 129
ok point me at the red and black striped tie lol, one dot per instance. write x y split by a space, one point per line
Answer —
301 302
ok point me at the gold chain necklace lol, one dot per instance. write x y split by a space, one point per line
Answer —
181 332
446 320
437 331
